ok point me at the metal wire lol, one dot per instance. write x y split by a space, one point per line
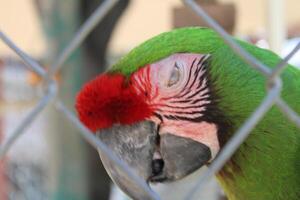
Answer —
228 39
31 63
28 120
273 87
82 33
276 72
292 115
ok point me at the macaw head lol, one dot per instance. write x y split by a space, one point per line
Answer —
157 108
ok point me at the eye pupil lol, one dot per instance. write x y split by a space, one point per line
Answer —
175 75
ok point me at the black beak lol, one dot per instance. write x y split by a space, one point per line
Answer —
154 158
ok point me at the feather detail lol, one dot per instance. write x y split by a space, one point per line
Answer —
109 99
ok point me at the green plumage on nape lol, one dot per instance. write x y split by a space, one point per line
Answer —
267 165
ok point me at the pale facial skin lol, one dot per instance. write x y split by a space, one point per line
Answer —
168 77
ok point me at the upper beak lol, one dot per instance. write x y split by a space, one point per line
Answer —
134 144
152 157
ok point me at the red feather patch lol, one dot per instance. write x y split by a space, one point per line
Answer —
107 100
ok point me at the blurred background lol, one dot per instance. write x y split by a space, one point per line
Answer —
50 160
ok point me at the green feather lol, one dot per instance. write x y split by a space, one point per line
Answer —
165 44
267 165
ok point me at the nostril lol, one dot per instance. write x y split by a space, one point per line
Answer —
157 166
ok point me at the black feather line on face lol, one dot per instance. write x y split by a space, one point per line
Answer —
187 82
200 67
212 113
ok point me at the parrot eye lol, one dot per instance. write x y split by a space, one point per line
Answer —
175 75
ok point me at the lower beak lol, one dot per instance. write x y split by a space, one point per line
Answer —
152 157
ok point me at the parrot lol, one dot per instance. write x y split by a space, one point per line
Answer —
169 106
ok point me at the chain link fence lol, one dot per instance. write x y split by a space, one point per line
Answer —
273 87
